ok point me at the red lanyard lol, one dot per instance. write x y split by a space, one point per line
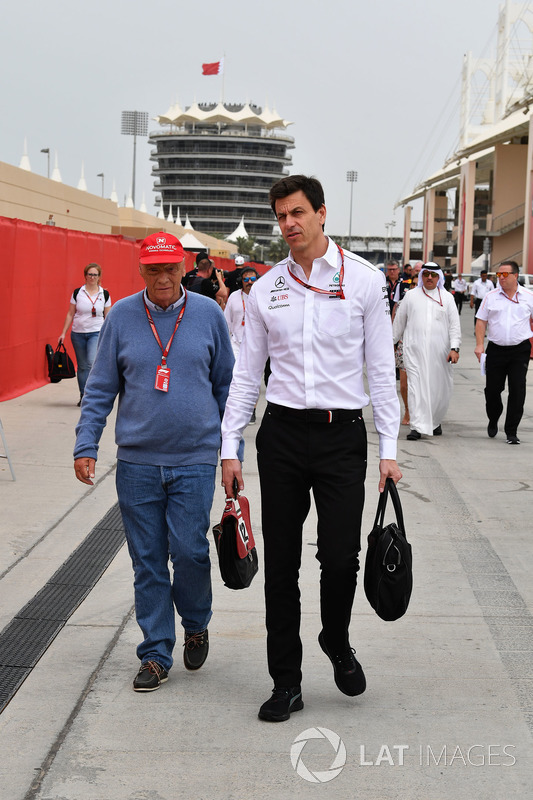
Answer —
154 330
243 307
439 301
511 299
337 293
93 312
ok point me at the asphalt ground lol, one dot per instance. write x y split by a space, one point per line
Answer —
448 712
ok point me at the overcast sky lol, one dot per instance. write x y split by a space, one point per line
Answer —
369 86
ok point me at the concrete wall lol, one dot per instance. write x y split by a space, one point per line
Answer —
25 195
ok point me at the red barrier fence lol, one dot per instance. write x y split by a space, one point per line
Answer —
40 267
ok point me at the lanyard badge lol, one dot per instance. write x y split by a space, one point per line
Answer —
162 373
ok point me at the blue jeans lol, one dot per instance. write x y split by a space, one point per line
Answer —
166 514
84 345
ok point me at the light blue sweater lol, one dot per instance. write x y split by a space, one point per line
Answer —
180 427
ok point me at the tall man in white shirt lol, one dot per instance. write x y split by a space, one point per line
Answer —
481 287
505 316
318 314
460 288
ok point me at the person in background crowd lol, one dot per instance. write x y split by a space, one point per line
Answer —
319 314
235 313
428 323
89 305
460 288
407 273
208 281
396 288
481 287
166 352
505 316
398 354
233 278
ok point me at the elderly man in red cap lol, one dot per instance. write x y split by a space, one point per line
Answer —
167 354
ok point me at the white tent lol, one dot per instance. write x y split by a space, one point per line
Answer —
240 232
190 242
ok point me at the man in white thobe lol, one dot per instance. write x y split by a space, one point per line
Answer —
428 323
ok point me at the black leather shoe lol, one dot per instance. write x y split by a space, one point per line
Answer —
438 431
413 436
195 649
348 672
282 703
150 677
513 440
492 429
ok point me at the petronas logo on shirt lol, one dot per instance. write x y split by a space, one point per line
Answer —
336 278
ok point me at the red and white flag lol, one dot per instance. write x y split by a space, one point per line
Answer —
215 68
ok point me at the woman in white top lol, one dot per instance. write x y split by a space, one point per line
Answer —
88 308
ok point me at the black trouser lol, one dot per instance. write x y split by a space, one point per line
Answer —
295 454
511 363
459 297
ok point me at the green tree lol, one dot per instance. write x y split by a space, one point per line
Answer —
247 247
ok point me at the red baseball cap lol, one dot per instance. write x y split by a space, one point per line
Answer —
161 248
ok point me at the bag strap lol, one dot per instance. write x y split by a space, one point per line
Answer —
390 488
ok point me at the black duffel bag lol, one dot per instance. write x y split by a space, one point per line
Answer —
61 364
388 576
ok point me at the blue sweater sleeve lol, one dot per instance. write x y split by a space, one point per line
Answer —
101 389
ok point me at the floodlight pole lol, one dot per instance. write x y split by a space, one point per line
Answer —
134 123
47 151
351 177
101 175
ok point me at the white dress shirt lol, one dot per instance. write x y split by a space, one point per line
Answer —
481 288
317 346
508 322
460 285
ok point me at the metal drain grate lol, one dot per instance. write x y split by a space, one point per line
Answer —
32 630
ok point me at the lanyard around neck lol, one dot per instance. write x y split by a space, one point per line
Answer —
337 293
165 350
439 301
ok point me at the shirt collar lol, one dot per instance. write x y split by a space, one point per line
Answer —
329 258
518 289
153 307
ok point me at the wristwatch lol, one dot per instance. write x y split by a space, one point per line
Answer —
455 349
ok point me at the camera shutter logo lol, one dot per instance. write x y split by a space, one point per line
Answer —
318 776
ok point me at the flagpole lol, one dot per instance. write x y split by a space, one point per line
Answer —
223 74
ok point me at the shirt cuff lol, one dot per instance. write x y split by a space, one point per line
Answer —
230 447
387 448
